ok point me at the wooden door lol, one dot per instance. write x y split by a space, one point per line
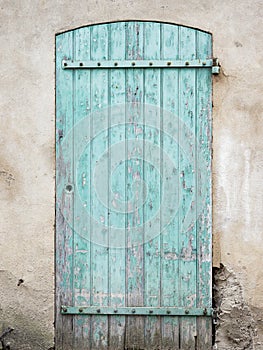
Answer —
133 184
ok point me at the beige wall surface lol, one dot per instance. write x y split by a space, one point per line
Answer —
27 160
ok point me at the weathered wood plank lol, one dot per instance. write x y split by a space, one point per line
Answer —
117 250
170 248
187 211
204 188
99 210
64 231
152 176
204 333
204 202
134 194
82 263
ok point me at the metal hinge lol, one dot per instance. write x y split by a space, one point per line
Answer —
216 66
215 316
149 311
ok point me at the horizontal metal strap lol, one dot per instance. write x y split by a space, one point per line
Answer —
69 64
159 311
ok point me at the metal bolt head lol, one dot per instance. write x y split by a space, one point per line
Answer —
98 311
168 312
80 309
133 311
64 309
115 311
150 311
186 312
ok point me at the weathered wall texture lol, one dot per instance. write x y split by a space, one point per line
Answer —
27 162
237 323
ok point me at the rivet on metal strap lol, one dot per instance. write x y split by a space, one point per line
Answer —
169 63
187 63
186 312
168 312
98 311
150 311
133 311
115 64
98 64
81 64
80 310
133 63
150 63
64 309
115 311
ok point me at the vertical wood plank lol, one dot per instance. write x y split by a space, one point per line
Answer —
81 264
204 188
152 177
134 178
117 251
187 211
99 252
64 231
171 255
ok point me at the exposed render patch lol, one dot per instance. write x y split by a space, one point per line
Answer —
236 328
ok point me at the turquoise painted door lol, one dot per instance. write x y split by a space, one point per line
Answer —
133 184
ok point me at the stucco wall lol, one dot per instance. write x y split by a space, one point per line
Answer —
27 105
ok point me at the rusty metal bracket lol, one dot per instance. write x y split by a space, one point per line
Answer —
115 64
147 311
216 66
